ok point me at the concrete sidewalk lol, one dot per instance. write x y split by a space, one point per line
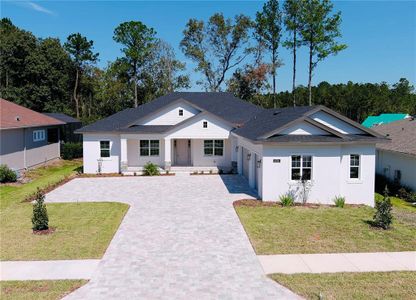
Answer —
338 262
48 270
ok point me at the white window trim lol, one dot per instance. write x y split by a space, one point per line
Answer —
99 149
354 180
179 112
39 135
292 181
149 147
203 124
213 147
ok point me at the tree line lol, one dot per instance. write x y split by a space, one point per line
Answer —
237 54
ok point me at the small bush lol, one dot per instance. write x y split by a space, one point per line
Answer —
339 201
383 216
150 169
71 150
40 218
7 174
287 200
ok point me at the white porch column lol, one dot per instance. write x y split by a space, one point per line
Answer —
123 154
240 160
168 160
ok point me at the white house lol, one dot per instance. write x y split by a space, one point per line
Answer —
272 148
397 160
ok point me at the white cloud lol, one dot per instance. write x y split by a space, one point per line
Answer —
39 8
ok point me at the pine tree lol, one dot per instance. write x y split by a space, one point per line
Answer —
383 217
40 218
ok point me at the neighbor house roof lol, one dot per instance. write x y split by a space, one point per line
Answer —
402 134
63 117
223 105
13 115
383 119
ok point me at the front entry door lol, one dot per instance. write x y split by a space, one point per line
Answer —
183 152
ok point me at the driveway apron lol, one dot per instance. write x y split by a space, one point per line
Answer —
180 239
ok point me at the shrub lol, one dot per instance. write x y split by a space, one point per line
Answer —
150 169
383 217
339 201
7 174
71 150
40 218
287 200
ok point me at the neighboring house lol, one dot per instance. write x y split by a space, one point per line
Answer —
67 130
27 138
397 160
272 148
372 121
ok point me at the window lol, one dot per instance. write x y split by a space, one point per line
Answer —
105 148
39 135
181 112
205 124
213 147
354 166
301 167
149 147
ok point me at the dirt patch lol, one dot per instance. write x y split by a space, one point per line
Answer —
50 230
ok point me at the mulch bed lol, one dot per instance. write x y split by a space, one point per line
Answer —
50 187
260 203
50 230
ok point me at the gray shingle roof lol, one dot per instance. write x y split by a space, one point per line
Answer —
146 129
402 134
63 117
223 105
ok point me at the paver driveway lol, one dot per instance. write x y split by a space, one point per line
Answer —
181 239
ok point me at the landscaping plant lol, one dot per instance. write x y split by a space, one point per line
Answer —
150 169
7 174
40 218
287 200
383 216
339 201
71 150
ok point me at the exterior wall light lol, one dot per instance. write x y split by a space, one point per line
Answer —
248 156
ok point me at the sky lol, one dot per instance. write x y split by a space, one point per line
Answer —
381 35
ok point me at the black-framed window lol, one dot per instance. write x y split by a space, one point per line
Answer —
213 147
149 147
205 124
181 112
354 166
301 167
105 148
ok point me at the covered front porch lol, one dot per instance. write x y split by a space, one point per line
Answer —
175 154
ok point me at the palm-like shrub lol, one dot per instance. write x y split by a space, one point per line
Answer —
383 216
150 169
339 201
287 200
40 218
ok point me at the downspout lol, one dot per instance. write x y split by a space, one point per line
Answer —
24 148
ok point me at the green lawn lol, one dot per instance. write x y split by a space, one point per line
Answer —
82 230
41 177
284 230
366 286
39 289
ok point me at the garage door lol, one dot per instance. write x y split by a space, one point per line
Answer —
245 163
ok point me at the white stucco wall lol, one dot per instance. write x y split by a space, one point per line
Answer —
170 115
335 123
200 160
91 153
387 162
330 173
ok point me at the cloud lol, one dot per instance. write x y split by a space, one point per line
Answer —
39 8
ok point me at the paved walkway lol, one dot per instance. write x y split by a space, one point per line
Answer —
339 262
48 270
181 239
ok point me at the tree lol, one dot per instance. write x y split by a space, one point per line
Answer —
138 43
40 220
293 23
319 32
383 217
217 46
81 51
268 32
